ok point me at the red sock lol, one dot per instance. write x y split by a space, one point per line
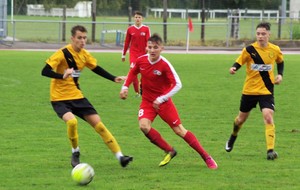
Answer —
192 140
157 139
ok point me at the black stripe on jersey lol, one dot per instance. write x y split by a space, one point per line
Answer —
264 74
72 64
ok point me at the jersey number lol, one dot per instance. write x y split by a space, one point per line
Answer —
141 112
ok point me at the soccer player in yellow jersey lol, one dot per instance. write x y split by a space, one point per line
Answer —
67 100
259 58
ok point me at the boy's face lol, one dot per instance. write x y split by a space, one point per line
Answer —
79 40
138 20
154 50
262 36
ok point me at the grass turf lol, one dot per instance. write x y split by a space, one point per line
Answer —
35 152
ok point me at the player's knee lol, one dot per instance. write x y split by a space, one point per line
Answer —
72 123
268 120
240 120
268 115
145 128
179 130
179 133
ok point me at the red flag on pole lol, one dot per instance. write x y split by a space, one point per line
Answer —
191 28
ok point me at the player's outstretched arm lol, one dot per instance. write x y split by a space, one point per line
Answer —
48 72
123 58
119 79
280 68
123 94
102 72
234 68
278 79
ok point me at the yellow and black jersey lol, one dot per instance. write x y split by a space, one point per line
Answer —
66 89
259 68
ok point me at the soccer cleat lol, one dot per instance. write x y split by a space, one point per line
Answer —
271 155
168 158
137 95
211 163
124 161
230 143
75 159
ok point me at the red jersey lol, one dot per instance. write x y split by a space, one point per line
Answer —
160 80
136 38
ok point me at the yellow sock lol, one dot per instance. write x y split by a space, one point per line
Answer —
270 136
107 137
72 132
236 128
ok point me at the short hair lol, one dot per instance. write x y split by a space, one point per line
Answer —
78 28
138 13
155 38
265 25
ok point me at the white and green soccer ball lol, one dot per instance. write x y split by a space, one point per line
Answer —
83 174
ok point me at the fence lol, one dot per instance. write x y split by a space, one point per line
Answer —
214 13
223 33
120 36
3 16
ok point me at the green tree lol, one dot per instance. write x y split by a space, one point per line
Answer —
253 4
110 7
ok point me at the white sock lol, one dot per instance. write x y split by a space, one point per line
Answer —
119 155
75 149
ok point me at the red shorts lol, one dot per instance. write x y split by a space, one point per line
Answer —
167 112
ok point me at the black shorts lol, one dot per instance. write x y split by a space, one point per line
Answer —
249 101
80 107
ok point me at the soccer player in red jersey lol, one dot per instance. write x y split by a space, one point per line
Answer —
160 82
136 38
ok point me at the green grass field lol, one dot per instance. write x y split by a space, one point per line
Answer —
35 152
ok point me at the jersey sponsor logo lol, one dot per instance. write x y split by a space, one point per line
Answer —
157 72
261 67
143 34
75 73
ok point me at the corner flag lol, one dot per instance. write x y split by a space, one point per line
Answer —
191 28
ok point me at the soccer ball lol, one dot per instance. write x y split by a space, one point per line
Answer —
83 174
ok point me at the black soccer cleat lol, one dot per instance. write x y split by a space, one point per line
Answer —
75 159
230 143
124 161
271 154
